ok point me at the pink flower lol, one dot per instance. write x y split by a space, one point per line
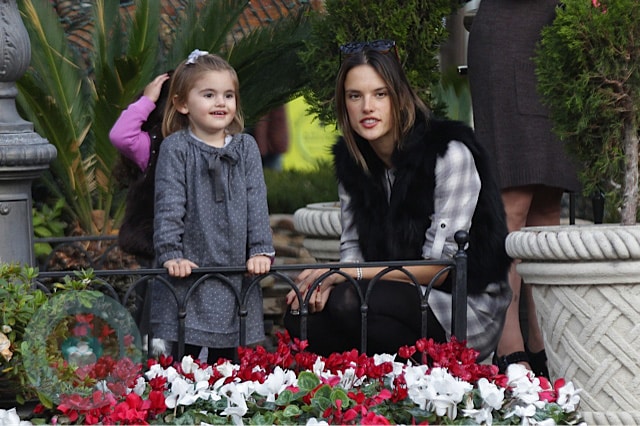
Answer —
597 4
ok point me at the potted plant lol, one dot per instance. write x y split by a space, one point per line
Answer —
37 325
586 277
18 302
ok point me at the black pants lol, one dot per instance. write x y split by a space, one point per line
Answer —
393 320
213 353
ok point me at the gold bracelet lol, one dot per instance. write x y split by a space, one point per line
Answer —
358 273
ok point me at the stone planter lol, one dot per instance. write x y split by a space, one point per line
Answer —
585 282
320 224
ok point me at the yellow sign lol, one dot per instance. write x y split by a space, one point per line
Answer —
309 140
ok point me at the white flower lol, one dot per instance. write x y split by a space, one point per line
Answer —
492 395
382 358
6 329
202 375
236 394
11 418
525 386
140 386
276 383
348 378
481 416
438 391
227 368
398 367
318 367
102 386
154 371
522 411
314 422
5 347
187 364
568 397
171 374
183 392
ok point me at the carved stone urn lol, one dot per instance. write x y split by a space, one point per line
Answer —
586 286
321 226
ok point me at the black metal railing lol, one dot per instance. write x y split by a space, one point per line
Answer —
141 279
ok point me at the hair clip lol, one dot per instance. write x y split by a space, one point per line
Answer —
193 56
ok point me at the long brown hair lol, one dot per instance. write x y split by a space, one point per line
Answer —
184 79
404 100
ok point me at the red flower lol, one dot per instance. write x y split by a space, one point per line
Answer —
103 367
157 400
158 383
374 419
406 351
400 391
106 331
86 318
547 394
128 340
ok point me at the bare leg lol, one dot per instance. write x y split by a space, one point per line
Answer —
517 202
532 205
544 211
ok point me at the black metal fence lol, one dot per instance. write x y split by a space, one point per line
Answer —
139 279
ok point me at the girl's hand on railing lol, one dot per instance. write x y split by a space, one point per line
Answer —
179 268
319 298
259 264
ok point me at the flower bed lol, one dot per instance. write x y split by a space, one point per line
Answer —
437 383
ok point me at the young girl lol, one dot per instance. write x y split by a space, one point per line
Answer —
210 208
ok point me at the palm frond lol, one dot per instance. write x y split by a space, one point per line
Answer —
267 64
204 26
124 64
53 96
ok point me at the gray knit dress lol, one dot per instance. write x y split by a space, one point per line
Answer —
509 118
211 208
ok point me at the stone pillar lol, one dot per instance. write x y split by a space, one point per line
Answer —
24 155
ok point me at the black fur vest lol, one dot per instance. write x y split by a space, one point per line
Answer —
395 230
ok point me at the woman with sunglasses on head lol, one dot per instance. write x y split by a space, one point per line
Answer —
407 183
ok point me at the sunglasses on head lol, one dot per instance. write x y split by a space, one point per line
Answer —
381 46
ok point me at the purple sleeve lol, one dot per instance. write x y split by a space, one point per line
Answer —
127 136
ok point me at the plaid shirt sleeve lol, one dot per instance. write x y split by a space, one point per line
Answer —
455 198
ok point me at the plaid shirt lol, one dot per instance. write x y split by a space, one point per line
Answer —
455 196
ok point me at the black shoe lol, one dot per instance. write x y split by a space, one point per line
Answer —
538 363
505 360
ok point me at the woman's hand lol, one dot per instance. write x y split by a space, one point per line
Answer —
319 298
259 264
179 268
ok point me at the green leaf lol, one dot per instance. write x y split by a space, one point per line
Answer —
307 381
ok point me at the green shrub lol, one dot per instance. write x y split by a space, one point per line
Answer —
47 223
289 190
417 26
588 72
